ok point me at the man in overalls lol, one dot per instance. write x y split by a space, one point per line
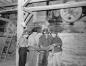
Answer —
44 44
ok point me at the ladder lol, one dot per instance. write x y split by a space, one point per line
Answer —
6 47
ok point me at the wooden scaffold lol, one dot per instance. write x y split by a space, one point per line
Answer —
26 12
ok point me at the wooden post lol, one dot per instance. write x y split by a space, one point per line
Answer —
19 27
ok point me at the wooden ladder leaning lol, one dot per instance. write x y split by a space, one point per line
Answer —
6 47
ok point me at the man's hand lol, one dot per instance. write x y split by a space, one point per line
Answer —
51 47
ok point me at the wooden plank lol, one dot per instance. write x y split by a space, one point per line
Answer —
26 15
12 4
28 18
5 19
7 1
60 6
26 2
36 1
4 2
3 11
33 1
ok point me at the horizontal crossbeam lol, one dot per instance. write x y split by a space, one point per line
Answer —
8 10
57 6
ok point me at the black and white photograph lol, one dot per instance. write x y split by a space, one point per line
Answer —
42 32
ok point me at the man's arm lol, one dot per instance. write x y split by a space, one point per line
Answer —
57 42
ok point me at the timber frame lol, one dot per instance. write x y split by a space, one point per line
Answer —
8 8
25 13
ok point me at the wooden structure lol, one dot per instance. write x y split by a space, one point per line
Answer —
8 17
7 36
8 6
26 12
24 9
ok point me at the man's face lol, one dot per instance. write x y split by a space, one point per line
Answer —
46 31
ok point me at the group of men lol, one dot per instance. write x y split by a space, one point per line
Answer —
44 48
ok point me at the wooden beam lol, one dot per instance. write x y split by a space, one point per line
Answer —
36 1
3 11
26 2
2 1
12 4
28 18
26 15
57 6
5 19
6 1
33 1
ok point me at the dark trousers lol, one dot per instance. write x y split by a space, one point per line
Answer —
43 59
22 56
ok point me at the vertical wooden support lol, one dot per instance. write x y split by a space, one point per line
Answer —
20 18
19 27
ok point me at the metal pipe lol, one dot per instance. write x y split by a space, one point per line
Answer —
33 1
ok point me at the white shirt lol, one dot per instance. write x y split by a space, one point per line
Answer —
37 37
23 42
31 39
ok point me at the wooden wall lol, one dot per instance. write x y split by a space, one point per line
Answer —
74 49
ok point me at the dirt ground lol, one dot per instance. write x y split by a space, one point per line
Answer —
8 62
